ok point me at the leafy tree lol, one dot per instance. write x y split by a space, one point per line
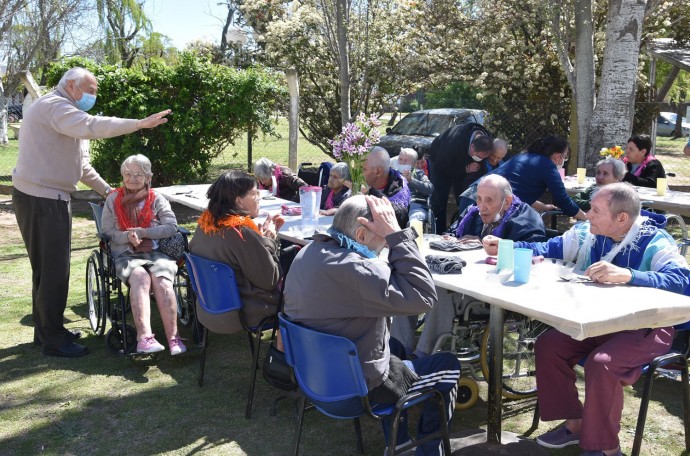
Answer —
212 106
123 21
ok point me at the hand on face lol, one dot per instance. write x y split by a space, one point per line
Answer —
383 220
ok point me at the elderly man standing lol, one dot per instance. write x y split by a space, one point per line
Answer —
383 180
339 286
609 171
617 246
53 157
497 212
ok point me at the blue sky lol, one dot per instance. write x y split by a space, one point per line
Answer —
187 20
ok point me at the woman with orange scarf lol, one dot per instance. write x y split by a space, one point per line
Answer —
135 218
227 233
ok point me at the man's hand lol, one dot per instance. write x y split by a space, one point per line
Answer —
383 215
153 120
490 243
605 272
472 167
407 174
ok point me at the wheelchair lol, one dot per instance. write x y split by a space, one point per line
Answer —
107 301
469 340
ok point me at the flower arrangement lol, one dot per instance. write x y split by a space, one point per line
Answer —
614 152
353 143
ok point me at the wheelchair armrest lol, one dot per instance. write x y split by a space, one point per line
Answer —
417 397
103 237
183 230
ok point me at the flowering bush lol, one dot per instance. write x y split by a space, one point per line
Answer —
615 152
353 143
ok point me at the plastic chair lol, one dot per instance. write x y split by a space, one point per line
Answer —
328 371
678 358
217 295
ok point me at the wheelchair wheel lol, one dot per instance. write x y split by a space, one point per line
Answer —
468 393
114 340
520 334
95 293
185 300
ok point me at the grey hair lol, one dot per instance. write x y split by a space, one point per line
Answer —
342 169
498 142
378 157
345 219
75 74
622 198
140 160
617 165
410 152
263 168
500 182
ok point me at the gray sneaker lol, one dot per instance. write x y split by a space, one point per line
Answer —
558 438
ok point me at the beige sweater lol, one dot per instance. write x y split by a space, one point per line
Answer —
54 147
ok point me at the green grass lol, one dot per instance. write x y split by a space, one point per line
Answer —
103 404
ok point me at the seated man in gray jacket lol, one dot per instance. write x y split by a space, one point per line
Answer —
338 285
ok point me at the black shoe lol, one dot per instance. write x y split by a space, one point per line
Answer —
76 335
70 350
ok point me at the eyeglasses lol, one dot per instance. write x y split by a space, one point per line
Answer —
136 176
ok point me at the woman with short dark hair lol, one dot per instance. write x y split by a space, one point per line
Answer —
643 168
227 233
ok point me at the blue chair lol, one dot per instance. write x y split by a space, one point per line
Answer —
677 358
328 372
219 306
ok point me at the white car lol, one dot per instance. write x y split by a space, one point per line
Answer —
666 123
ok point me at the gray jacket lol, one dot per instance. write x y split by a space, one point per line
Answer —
339 291
163 225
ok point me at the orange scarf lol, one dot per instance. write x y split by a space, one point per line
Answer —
210 226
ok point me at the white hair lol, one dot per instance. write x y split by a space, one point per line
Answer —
140 160
342 169
410 152
76 74
263 168
345 219
499 182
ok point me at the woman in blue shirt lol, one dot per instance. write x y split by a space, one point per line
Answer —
534 171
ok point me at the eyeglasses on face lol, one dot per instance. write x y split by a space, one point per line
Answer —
137 176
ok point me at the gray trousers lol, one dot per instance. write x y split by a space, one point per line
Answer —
46 228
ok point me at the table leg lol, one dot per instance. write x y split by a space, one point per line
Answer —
493 431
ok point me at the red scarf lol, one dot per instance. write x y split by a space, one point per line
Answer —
130 215
210 226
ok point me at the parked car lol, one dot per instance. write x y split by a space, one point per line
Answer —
418 129
666 124
14 113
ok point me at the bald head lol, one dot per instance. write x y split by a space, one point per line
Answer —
499 183
376 167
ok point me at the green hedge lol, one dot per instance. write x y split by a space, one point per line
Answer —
212 106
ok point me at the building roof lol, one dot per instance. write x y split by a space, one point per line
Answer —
667 50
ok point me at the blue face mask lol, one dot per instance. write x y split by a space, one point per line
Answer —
87 101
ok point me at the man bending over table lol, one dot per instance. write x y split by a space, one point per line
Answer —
338 285
616 246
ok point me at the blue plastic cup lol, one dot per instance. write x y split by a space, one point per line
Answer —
505 254
523 265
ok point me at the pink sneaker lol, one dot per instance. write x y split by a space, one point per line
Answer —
149 344
176 346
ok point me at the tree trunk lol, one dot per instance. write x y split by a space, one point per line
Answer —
612 118
584 74
342 13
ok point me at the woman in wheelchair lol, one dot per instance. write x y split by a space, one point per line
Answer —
135 218
227 233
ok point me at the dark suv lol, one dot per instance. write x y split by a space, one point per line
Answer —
418 129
